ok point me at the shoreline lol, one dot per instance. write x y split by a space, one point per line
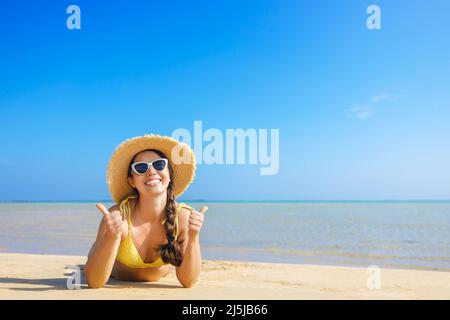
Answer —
311 264
43 276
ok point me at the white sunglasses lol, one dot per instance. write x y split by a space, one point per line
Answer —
142 168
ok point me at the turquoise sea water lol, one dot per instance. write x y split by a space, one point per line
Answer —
391 234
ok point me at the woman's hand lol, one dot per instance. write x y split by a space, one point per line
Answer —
196 222
113 227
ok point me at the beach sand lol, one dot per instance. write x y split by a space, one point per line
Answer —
31 276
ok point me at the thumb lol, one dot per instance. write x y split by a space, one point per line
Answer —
203 210
103 210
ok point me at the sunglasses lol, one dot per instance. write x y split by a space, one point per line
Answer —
141 168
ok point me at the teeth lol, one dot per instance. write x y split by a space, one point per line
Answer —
152 182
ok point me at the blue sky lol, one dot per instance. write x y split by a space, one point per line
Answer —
362 114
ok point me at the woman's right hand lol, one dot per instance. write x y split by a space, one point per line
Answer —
113 226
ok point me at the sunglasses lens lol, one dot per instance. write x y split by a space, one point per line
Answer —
141 168
159 164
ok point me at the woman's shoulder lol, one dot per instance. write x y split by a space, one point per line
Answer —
183 211
183 214
181 206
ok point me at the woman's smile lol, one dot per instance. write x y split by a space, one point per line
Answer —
153 182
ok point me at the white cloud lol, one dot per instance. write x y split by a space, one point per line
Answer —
366 110
361 111
382 97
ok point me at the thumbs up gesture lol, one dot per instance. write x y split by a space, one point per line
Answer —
113 221
196 222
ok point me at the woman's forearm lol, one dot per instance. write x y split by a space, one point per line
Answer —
191 266
101 261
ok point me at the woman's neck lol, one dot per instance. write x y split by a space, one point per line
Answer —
151 208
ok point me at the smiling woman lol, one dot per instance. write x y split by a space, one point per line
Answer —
147 231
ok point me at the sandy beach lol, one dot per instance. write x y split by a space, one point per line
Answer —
32 276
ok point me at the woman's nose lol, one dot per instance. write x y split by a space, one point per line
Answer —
151 171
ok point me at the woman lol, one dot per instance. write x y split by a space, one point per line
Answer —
147 230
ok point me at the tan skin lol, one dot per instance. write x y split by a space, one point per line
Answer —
147 231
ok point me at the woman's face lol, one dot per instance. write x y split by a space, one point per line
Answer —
153 181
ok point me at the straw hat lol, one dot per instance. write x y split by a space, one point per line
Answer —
180 156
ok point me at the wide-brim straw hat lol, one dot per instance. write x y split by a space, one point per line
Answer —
180 156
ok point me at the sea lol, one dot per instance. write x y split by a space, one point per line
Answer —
394 234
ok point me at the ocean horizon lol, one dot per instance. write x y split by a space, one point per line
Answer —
397 234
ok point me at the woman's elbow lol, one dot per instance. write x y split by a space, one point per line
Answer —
94 285
188 283
93 282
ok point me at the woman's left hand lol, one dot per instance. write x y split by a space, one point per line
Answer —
196 222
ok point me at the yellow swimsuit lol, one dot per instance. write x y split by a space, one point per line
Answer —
128 254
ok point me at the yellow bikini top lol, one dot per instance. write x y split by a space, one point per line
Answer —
128 254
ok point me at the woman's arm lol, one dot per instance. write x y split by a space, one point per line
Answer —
191 266
104 251
99 265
